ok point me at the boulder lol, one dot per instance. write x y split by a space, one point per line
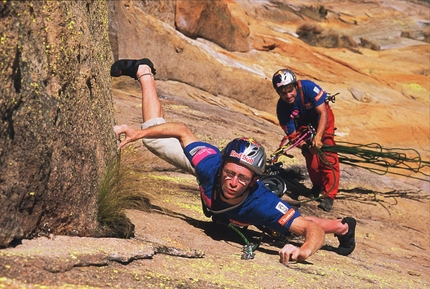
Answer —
213 21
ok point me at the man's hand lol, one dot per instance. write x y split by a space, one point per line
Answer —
165 130
283 142
292 253
130 134
314 239
287 253
316 145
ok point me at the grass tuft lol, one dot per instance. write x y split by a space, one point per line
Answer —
118 192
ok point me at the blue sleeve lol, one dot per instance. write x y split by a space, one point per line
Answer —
206 159
313 93
201 153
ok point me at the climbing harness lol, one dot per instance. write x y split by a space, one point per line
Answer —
271 178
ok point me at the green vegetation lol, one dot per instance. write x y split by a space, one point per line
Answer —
117 193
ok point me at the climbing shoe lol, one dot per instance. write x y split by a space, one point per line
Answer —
129 67
326 204
347 241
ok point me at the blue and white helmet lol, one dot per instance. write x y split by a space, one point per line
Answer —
283 77
246 152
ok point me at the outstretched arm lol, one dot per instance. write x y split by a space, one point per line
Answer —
314 239
165 130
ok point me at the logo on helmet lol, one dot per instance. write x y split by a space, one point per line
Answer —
242 157
283 80
283 77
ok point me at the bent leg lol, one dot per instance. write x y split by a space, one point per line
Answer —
329 162
168 149
312 165
151 106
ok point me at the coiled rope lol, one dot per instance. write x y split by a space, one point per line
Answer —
372 157
377 159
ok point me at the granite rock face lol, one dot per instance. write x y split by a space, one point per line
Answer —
56 103
56 116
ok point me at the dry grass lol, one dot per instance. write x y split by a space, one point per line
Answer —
119 190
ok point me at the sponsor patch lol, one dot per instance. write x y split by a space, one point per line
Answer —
319 96
201 154
286 217
316 90
281 207
195 150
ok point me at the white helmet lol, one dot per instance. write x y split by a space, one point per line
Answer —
283 77
246 152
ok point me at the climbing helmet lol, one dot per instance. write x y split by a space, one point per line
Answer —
282 78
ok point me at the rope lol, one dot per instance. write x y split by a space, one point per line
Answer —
323 158
372 157
380 160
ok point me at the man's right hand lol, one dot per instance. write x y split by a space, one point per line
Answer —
292 253
314 238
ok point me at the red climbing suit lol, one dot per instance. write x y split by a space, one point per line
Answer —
323 168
